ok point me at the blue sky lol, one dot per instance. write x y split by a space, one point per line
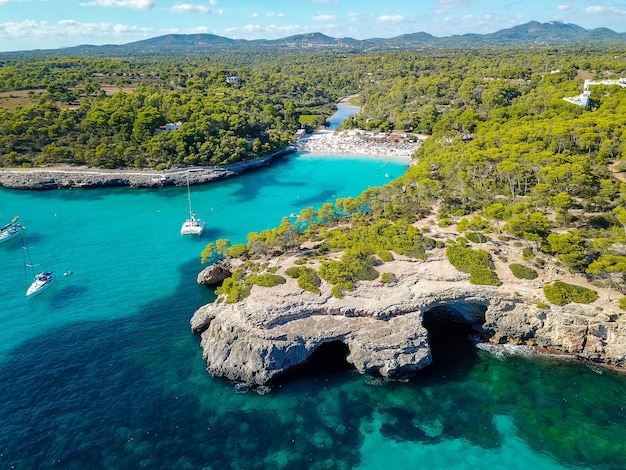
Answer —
48 24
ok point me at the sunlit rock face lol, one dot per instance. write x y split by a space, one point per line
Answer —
384 327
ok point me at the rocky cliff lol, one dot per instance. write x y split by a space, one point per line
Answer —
382 325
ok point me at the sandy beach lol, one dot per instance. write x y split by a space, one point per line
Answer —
355 142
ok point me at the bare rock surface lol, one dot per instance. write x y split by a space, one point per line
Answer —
215 273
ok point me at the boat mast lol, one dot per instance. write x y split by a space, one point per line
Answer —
189 196
26 256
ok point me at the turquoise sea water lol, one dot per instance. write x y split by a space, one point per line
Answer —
102 370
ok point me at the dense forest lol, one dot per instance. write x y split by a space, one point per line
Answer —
107 112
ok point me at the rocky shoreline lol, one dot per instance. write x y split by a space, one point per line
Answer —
323 142
85 178
383 326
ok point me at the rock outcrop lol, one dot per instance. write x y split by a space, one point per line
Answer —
215 273
257 339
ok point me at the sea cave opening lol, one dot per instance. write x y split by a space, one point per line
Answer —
327 359
453 331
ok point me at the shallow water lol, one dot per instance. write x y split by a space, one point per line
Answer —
102 370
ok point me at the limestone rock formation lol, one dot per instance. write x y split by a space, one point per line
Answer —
257 339
215 273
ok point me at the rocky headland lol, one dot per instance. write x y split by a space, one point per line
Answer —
384 326
83 177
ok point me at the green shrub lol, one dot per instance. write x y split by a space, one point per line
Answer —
339 290
543 306
266 280
476 237
294 271
233 289
388 278
561 293
310 281
523 272
429 243
622 303
385 255
236 251
307 278
443 223
475 262
527 253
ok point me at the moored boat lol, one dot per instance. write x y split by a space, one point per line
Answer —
193 225
11 230
40 283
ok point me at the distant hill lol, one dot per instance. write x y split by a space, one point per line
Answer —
532 33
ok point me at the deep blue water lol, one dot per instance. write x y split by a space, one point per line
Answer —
102 370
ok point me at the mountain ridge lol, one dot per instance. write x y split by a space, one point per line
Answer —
531 33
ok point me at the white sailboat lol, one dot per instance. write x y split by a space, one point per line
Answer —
193 225
11 230
41 281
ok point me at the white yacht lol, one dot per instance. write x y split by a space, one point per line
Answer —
193 225
40 283
10 230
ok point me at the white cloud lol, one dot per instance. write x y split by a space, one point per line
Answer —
602 9
325 1
134 4
563 7
353 16
449 5
70 28
391 18
189 8
272 14
324 17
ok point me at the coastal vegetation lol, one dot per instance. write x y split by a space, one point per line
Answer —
508 162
